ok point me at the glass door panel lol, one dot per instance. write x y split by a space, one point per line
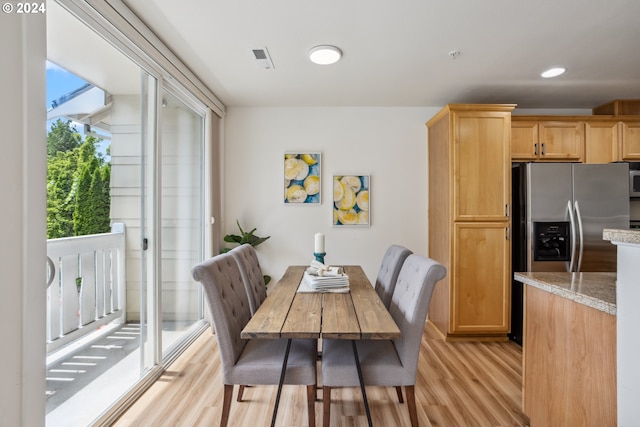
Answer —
181 217
105 287
153 140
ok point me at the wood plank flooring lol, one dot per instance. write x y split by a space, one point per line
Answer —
459 384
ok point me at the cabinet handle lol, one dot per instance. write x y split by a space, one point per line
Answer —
536 149
543 151
507 210
508 233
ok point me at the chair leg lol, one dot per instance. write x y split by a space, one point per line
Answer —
399 391
226 404
326 398
311 404
240 391
411 404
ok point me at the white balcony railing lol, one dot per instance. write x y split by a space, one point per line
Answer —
86 285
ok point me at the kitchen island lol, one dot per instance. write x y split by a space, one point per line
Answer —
569 349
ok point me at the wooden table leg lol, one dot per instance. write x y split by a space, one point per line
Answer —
364 393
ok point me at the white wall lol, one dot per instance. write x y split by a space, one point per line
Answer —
23 218
126 189
390 144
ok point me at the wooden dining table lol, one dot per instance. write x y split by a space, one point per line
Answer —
354 315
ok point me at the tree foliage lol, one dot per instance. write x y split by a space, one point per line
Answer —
62 138
78 200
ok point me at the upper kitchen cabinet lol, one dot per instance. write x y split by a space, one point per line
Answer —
619 107
630 136
625 112
524 140
545 139
478 162
611 140
602 141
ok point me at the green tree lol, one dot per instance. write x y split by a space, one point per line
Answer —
61 189
102 196
78 194
62 137
83 214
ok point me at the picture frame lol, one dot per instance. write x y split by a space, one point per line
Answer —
351 200
302 178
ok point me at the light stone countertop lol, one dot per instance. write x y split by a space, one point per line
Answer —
622 236
596 290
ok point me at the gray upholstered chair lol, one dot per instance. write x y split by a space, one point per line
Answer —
389 269
255 361
386 281
389 363
247 259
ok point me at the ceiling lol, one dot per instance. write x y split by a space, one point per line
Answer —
398 53
73 46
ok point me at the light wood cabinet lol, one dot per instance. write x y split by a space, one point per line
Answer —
630 136
602 142
547 139
619 107
588 139
569 362
524 140
481 273
469 199
481 166
609 141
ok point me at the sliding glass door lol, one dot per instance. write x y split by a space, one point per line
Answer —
182 232
151 135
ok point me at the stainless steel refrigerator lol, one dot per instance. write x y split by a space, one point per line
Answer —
559 213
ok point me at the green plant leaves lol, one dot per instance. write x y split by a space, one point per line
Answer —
245 237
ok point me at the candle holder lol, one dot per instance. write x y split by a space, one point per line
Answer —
319 256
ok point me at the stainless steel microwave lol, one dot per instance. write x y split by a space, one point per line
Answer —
634 183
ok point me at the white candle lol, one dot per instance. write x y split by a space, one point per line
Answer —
319 246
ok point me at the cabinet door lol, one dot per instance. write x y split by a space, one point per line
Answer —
561 140
630 140
524 140
601 142
482 166
481 279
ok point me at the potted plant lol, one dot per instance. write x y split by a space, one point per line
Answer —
245 237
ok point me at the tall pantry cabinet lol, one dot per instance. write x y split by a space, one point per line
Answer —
469 222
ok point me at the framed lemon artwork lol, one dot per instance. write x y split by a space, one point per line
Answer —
302 178
351 200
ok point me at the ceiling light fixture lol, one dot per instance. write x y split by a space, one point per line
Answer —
325 55
553 72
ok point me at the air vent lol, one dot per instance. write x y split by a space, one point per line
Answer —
262 58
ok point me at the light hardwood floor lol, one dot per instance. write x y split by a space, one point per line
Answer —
459 384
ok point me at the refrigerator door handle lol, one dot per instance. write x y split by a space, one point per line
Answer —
574 239
581 231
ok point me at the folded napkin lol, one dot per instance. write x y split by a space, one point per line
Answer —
323 278
319 269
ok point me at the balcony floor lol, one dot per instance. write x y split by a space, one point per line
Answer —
86 377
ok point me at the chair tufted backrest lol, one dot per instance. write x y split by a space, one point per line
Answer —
410 304
228 303
247 259
389 270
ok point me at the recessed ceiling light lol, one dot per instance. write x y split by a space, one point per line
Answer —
553 72
325 55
